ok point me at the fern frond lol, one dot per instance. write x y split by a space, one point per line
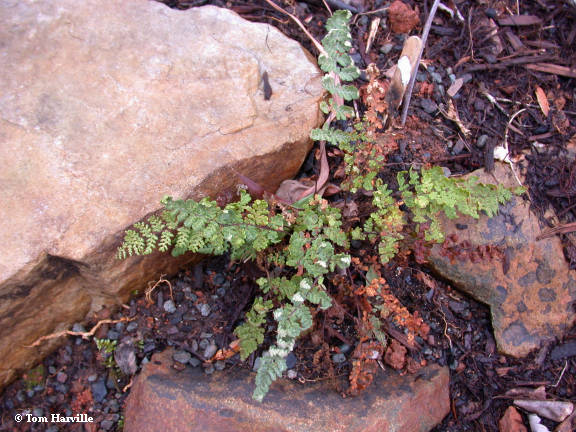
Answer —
271 368
251 332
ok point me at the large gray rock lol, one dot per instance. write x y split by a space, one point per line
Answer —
105 107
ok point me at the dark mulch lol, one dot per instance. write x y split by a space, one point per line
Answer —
209 299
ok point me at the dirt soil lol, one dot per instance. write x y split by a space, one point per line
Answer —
518 89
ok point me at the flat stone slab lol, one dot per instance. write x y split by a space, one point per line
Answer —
167 400
107 106
529 287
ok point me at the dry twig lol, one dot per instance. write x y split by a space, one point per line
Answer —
425 32
148 293
83 335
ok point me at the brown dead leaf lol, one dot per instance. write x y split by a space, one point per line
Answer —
290 190
511 421
452 114
322 177
224 354
350 210
542 101
125 357
402 18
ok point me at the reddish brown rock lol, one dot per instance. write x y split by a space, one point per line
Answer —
529 287
107 106
164 399
402 18
511 421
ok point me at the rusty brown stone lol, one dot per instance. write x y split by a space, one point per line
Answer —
402 18
511 421
529 288
164 399
106 107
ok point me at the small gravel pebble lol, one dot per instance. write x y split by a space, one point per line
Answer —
490 58
458 147
112 381
37 412
436 76
99 390
466 78
482 139
429 106
203 344
182 356
386 48
256 364
345 348
113 405
291 360
148 347
61 377
78 328
132 326
195 362
421 76
20 396
210 351
204 309
209 370
491 13
172 330
292 374
106 424
189 316
169 306
176 317
338 358
205 335
220 365
92 378
219 279
112 335
61 388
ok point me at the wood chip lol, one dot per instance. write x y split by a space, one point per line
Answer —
455 87
542 101
520 20
553 69
514 40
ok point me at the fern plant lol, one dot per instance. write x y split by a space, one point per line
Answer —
304 245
